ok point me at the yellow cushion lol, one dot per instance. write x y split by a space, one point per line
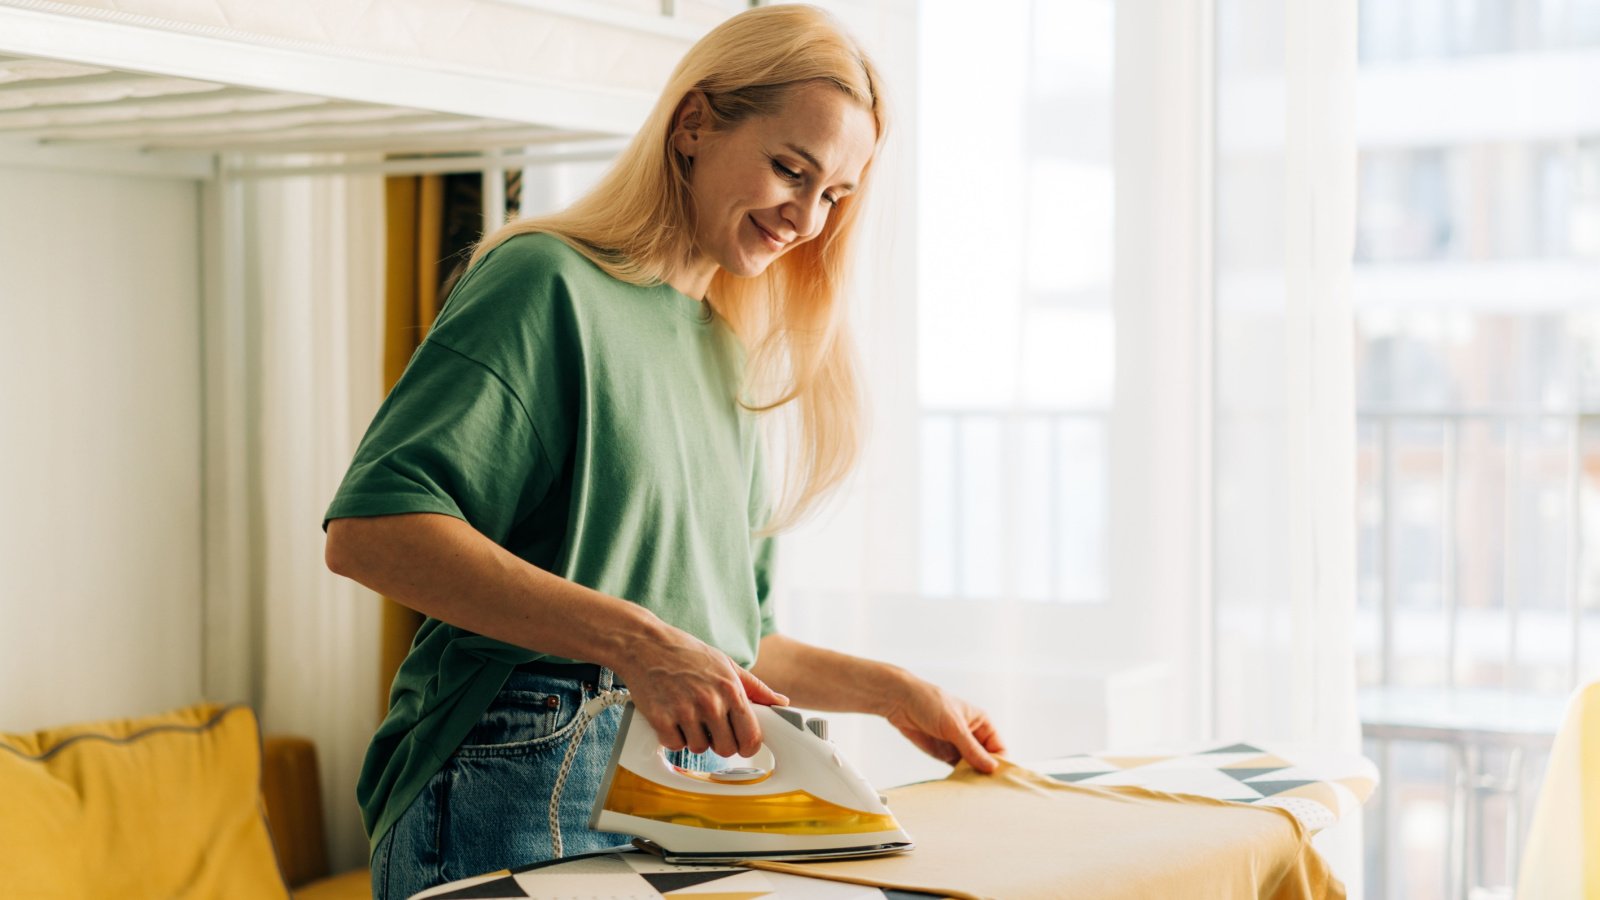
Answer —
355 884
161 806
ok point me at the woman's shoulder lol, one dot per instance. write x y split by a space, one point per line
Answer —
539 252
531 266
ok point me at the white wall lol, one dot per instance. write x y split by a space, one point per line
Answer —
100 418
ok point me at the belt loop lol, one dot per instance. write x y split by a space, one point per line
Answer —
605 679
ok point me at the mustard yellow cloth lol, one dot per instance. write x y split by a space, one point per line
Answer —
1562 859
1020 835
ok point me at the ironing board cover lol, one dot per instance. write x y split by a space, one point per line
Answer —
633 875
1318 787
1310 788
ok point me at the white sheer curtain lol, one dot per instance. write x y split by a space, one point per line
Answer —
1087 355
294 323
1285 419
1222 511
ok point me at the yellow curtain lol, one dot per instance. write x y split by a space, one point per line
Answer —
415 216
433 221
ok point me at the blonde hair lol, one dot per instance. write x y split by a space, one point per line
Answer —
636 225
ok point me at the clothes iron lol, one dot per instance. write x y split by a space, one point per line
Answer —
797 800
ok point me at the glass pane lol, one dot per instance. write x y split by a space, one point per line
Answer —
1467 202
1081 504
1478 372
1541 555
1037 508
1419 783
1480 536
1014 317
1418 554
938 506
981 514
1444 29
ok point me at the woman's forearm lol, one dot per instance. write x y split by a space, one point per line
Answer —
826 680
444 568
941 724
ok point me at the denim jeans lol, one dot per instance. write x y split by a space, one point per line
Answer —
488 808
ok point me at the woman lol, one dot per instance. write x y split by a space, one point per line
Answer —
568 482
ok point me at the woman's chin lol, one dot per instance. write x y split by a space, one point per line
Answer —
749 267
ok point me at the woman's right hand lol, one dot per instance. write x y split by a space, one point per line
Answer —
695 696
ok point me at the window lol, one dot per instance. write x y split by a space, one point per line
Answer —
1475 293
1016 329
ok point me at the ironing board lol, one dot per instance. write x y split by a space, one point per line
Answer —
634 875
1317 787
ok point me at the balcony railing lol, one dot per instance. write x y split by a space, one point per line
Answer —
1473 621
1014 504
1471 629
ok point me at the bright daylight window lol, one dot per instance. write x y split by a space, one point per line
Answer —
1478 354
1477 375
1015 323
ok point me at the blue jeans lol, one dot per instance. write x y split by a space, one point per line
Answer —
488 808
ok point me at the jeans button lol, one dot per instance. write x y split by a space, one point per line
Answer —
588 687
552 701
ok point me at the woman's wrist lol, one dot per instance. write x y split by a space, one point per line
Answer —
897 687
625 634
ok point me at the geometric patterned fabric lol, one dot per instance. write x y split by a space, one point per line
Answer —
632 875
1317 786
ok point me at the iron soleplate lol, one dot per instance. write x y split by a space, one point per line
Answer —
707 859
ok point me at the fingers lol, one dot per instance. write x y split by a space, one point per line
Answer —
758 691
971 750
949 729
668 732
746 730
988 735
710 710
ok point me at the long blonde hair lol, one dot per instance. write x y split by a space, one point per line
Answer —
635 224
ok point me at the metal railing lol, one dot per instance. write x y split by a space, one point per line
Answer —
1495 735
1490 736
978 448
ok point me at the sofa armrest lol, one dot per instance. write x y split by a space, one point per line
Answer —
292 795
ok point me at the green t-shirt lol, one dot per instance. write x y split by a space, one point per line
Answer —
592 428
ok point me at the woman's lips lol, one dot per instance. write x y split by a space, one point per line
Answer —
767 236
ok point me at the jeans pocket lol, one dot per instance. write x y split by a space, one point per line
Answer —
495 804
517 717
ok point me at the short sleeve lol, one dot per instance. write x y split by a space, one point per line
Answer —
469 429
451 438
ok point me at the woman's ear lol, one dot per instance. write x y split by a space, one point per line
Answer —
688 123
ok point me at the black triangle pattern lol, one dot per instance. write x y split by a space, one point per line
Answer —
1245 774
1235 748
1268 788
1076 776
545 864
667 882
500 887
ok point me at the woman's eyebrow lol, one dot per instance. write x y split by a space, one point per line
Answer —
806 155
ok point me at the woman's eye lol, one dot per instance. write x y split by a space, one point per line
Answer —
785 172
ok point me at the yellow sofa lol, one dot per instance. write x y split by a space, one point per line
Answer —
190 803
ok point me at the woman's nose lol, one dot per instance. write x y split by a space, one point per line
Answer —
805 217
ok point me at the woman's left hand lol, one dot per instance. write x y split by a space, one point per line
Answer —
946 727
